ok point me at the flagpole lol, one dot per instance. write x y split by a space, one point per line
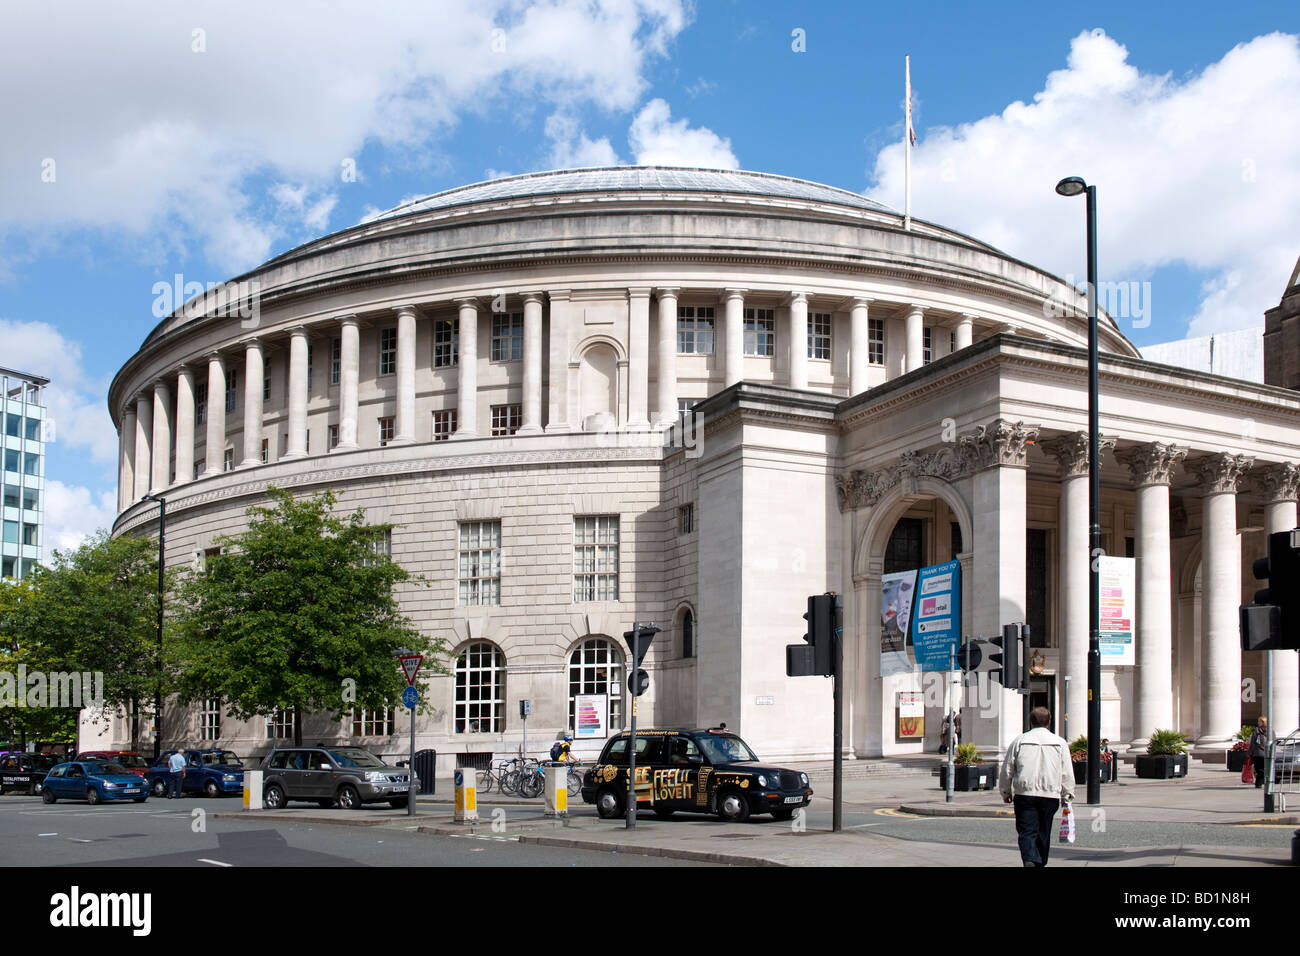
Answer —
907 145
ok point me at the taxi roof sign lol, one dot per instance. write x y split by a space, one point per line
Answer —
411 666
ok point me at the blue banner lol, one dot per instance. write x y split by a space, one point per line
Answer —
936 615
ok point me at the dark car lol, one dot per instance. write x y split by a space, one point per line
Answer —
129 759
93 781
211 772
696 771
346 776
24 771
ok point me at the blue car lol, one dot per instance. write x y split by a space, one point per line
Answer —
92 781
211 772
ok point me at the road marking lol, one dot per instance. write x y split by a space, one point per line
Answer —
75 840
214 862
46 834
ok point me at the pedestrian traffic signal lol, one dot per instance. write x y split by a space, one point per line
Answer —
815 656
1008 675
1272 621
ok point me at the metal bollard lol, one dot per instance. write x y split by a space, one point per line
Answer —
557 790
466 796
252 790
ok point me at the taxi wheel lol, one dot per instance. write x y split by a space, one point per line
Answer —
733 807
47 796
609 804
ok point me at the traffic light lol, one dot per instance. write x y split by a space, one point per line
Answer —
1026 653
638 642
1272 621
816 658
1008 675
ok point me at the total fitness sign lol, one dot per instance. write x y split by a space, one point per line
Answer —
1118 609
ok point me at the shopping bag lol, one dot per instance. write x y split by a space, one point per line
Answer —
1067 825
1248 771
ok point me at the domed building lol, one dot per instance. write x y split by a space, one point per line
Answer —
695 397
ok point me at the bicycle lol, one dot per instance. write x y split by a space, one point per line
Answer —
574 779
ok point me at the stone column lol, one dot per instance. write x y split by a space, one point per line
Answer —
859 345
915 338
349 371
126 459
298 345
254 373
557 382
404 423
467 369
965 330
214 455
798 340
143 443
1219 475
532 422
667 354
735 333
999 493
184 425
160 476
638 353
1153 707
1280 483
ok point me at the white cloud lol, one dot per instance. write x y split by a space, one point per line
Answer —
657 140
1202 170
145 131
74 513
571 148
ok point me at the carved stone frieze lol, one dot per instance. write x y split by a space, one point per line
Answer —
1152 463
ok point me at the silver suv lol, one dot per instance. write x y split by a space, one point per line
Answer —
344 776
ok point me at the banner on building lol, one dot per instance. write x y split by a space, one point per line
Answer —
936 622
1118 610
911 715
591 716
896 592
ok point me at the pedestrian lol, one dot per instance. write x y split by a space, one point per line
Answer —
956 726
1037 776
176 774
1258 749
943 733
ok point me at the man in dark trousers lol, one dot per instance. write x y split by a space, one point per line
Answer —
1037 775
1258 750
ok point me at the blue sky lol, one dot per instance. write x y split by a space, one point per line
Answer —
203 137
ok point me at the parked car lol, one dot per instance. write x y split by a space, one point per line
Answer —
346 776
695 771
24 771
93 781
211 772
129 759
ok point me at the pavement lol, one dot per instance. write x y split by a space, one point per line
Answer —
891 813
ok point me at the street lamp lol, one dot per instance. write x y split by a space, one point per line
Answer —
1073 186
157 694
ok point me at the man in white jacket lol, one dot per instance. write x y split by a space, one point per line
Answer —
1037 775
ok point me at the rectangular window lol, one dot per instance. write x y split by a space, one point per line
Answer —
387 351
952 342
1036 577
382 546
595 558
686 519
11 532
198 467
228 460
385 430
372 723
11 460
29 534
760 332
876 341
266 389
479 553
11 497
927 347
279 726
819 335
232 380
444 424
480 690
333 437
446 342
13 423
31 463
336 360
32 429
309 351
506 419
9 568
507 336
32 499
210 718
695 330
684 406
201 403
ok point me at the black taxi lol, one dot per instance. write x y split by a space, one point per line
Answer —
695 771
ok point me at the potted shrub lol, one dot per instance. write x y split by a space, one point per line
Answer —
1079 756
1166 756
970 772
1237 754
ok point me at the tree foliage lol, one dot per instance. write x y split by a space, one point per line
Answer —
296 613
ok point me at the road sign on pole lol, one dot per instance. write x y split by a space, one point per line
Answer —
411 666
410 696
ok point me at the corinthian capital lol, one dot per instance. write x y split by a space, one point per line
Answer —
1071 452
999 443
1151 464
1219 473
1280 482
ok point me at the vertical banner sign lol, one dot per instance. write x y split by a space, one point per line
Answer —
591 716
896 591
1118 610
911 715
936 622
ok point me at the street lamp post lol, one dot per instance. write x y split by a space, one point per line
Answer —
157 694
1073 186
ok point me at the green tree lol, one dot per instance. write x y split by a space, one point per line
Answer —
297 613
21 725
94 609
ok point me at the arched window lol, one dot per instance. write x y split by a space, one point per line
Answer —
480 690
688 633
594 666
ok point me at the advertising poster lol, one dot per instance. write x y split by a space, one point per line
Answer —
1118 610
936 621
911 715
896 591
590 717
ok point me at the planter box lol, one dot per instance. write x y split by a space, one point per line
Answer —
978 776
1161 767
1237 760
1081 772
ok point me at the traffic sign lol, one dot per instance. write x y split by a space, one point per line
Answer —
409 697
411 666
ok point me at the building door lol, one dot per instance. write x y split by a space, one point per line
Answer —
1042 693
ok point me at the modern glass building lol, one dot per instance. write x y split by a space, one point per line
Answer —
22 478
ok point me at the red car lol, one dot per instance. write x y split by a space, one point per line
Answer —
129 759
